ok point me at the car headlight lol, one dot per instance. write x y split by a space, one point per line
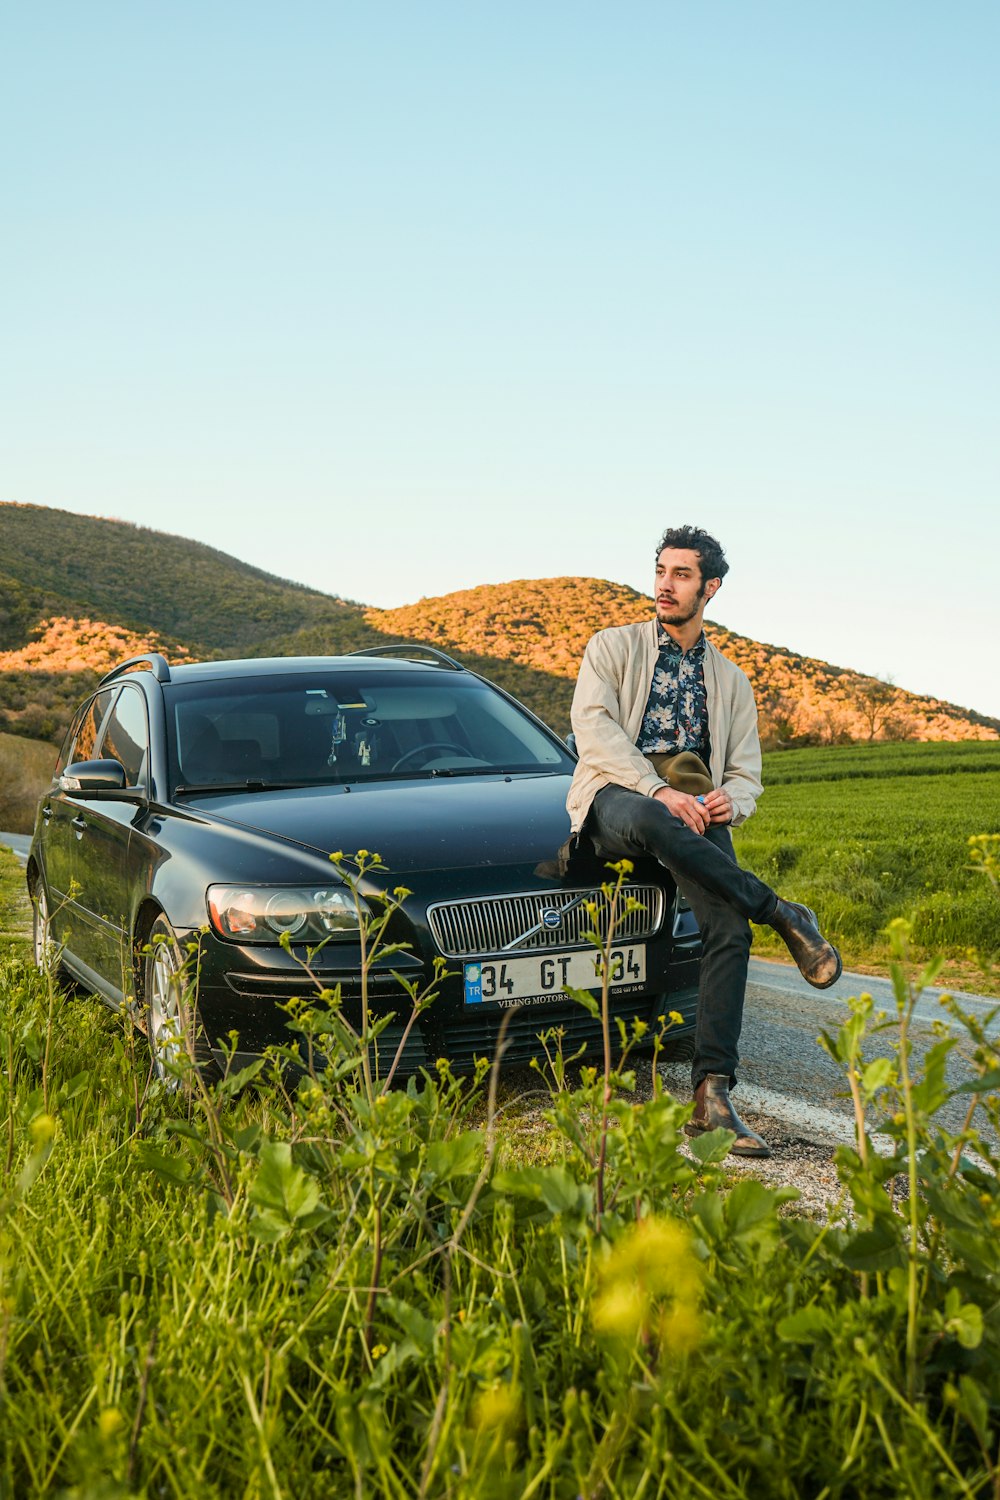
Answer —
261 913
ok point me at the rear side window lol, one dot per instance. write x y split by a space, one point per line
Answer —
126 737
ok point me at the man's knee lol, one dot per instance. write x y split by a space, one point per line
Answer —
653 821
628 822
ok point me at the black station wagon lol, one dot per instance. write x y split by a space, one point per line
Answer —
206 799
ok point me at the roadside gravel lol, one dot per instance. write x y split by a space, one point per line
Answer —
797 1161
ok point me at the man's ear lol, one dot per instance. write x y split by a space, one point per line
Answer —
712 587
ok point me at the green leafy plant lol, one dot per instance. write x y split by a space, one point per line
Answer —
395 1298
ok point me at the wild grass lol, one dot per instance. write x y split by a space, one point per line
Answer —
376 1305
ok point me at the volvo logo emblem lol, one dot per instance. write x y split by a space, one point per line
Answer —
548 919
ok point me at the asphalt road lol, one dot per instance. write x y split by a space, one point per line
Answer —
19 842
787 1076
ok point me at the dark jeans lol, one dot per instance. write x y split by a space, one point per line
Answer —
723 897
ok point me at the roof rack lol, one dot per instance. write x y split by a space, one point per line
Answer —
151 661
437 657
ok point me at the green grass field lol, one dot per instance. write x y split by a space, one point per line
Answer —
864 834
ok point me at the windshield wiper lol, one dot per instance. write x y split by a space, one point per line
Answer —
429 771
467 771
252 784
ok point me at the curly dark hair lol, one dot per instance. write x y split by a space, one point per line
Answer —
692 539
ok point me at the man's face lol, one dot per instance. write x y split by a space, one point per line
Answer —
679 590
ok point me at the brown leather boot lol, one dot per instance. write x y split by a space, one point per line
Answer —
713 1108
818 960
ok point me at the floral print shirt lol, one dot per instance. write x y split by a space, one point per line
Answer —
676 716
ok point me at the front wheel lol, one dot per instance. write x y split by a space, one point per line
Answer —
174 1033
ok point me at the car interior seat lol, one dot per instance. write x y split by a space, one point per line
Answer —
211 758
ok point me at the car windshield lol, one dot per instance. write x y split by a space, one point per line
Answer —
299 729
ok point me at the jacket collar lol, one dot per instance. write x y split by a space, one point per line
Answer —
667 642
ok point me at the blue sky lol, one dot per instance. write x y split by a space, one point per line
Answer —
400 298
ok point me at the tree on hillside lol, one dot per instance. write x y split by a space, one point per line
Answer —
877 700
777 710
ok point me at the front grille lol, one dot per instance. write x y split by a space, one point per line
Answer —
514 924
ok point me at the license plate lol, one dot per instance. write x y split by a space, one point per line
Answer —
540 978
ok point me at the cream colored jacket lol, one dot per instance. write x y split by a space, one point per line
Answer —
611 694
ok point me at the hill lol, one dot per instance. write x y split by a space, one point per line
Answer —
78 593
57 564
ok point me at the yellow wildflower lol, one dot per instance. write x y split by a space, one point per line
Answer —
109 1422
651 1278
498 1407
43 1128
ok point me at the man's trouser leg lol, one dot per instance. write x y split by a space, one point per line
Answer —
722 976
723 897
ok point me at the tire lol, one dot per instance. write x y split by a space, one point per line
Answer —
174 1032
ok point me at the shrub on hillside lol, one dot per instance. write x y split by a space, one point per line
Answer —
41 704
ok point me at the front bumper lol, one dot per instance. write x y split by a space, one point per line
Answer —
245 994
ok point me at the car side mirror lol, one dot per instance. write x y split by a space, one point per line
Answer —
93 778
570 743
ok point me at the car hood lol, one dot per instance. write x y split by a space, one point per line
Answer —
448 823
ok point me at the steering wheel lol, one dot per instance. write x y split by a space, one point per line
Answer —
424 749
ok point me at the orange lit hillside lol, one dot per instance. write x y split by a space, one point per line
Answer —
541 622
66 645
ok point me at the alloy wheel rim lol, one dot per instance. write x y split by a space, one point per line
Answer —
165 1014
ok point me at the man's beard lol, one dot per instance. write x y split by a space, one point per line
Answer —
676 615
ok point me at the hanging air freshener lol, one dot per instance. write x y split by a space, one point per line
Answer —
337 737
